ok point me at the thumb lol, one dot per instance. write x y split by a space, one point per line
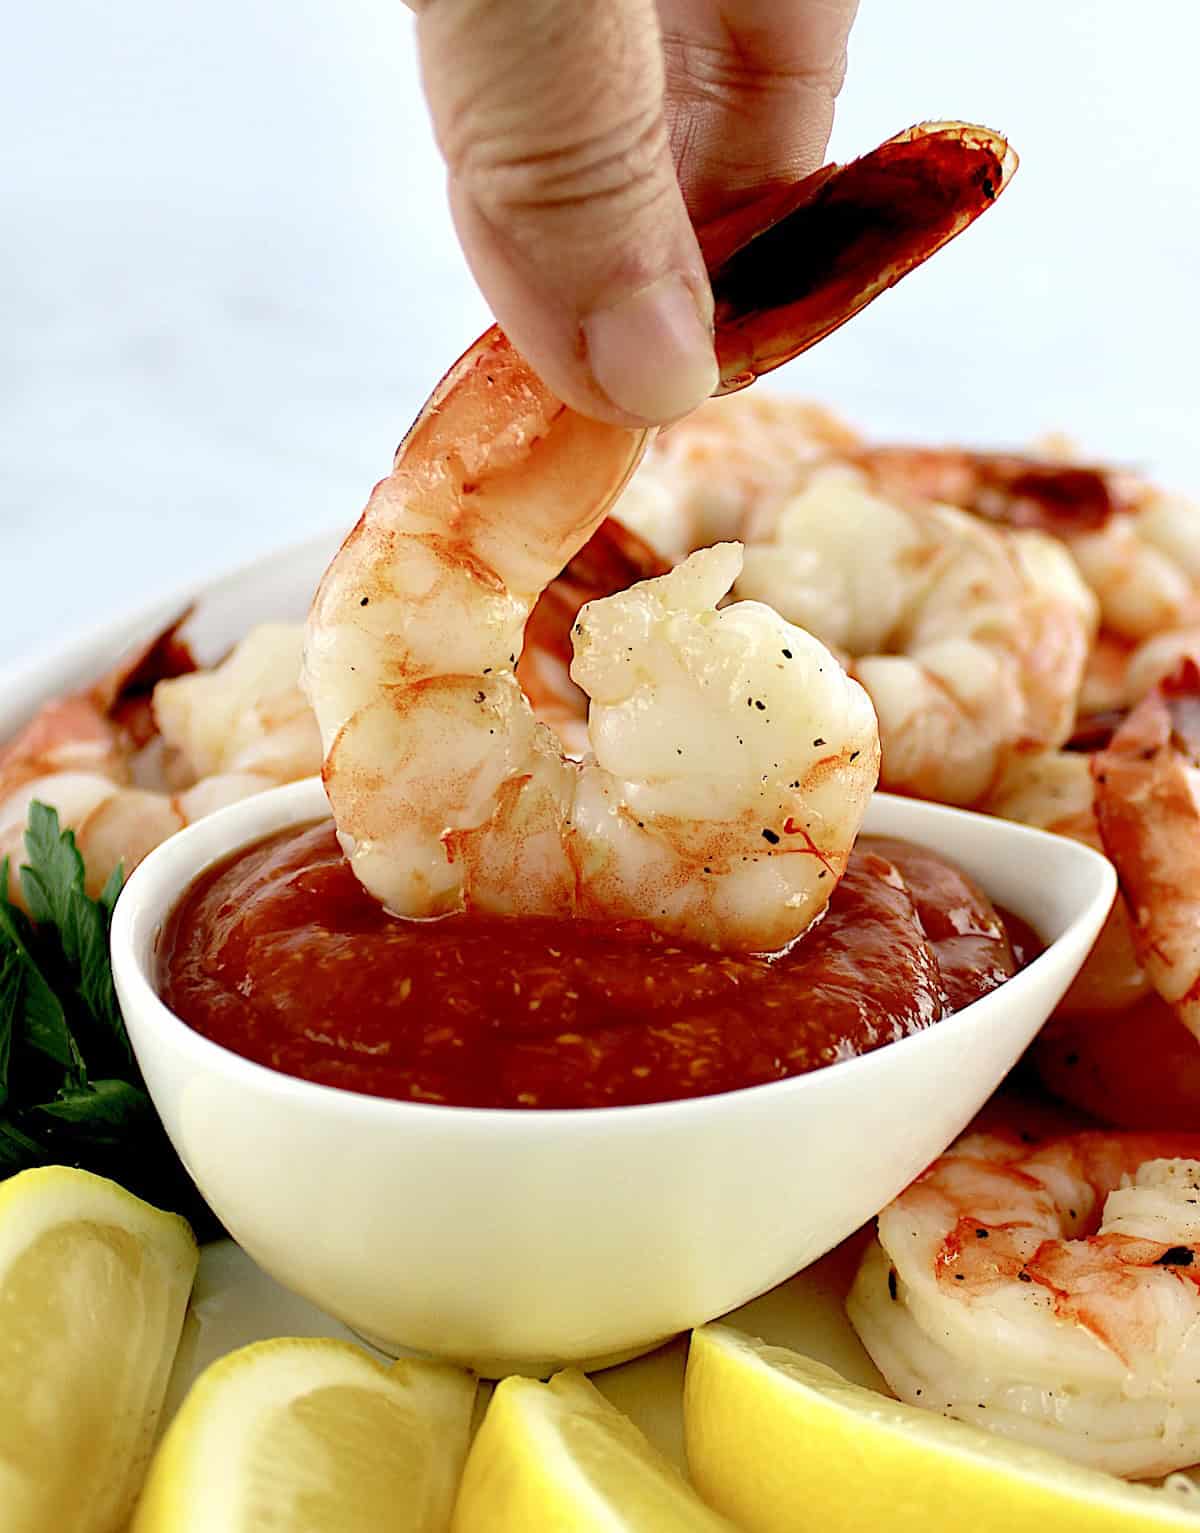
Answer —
550 116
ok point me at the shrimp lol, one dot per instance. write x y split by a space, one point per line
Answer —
1148 810
1137 547
732 757
1049 1292
614 558
1136 1066
728 470
1053 790
155 745
244 716
1124 1040
970 640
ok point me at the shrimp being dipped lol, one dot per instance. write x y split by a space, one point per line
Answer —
733 757
613 559
1050 1293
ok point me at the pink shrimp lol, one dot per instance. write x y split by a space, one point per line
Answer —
614 559
1049 1292
1138 548
1148 810
156 744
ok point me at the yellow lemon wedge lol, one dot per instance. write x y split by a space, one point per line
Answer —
777 1442
94 1284
312 1436
556 1457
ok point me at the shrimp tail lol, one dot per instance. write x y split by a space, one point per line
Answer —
1147 796
1013 489
800 260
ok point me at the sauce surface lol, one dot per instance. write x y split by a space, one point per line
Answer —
281 956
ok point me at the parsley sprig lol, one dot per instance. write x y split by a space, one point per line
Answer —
70 1088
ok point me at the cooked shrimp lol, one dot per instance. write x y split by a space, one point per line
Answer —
970 640
98 759
612 559
1148 809
1104 687
1135 1067
1050 1293
727 471
1137 547
733 758
245 715
1053 790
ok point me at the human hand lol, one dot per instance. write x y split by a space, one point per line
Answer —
583 137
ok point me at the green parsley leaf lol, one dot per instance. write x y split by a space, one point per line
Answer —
116 882
18 1150
52 877
11 979
54 885
103 1112
70 1088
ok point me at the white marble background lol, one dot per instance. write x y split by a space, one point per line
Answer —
227 278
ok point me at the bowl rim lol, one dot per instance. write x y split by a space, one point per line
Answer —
133 976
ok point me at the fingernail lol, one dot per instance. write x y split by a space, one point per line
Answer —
652 353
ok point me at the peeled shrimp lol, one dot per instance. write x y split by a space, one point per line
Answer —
125 771
971 640
1148 809
1053 790
1048 1293
727 471
612 559
1137 547
246 717
1119 1044
733 758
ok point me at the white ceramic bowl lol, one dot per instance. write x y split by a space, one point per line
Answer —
523 1240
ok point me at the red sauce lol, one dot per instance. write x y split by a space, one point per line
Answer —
281 956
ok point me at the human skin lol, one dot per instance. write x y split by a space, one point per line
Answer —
584 139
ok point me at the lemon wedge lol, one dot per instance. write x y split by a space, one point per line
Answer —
559 1456
777 1441
94 1284
311 1436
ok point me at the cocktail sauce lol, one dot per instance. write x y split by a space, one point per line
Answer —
282 956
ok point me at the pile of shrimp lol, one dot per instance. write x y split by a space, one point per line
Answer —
156 744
